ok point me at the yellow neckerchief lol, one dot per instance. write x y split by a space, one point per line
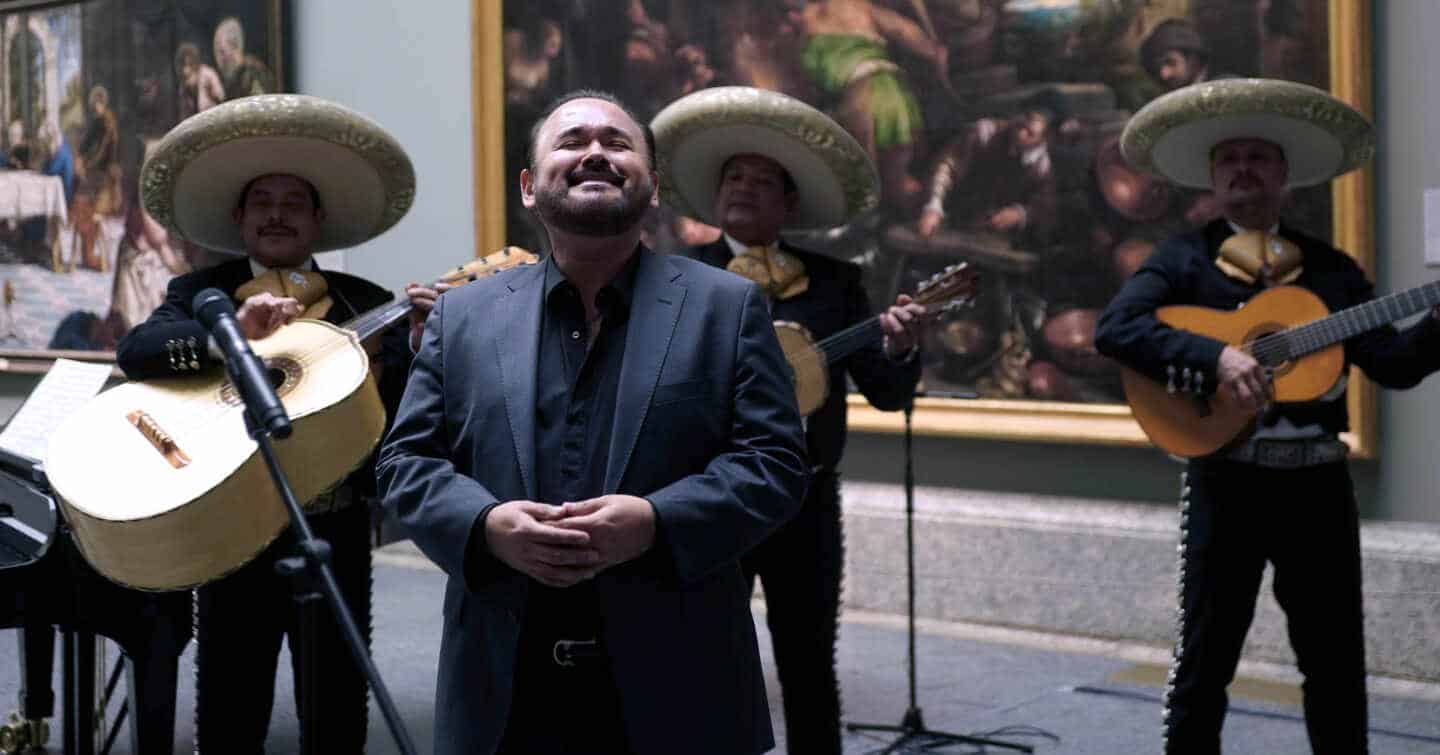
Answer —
1263 256
780 273
302 284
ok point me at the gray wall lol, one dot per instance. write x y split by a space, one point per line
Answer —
1408 104
407 65
410 69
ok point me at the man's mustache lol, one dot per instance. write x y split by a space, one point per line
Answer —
596 174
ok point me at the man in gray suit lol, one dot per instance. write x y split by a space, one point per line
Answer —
587 446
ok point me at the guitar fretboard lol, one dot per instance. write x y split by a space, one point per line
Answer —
378 319
1305 339
843 343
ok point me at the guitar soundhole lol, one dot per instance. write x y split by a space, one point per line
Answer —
283 372
1260 331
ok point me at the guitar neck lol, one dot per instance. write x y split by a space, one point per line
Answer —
850 340
1347 323
369 323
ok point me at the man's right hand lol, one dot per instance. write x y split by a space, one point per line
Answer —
1242 379
519 533
264 313
929 222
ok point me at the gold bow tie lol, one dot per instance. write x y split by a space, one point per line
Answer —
305 286
780 273
1252 256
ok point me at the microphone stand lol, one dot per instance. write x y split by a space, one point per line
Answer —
914 737
308 570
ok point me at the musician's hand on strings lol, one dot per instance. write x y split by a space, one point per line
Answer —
422 298
621 527
523 535
1243 379
264 313
901 323
1008 217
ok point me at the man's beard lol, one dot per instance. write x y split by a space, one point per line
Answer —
592 217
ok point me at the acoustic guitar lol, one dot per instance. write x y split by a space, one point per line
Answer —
161 484
810 361
1286 329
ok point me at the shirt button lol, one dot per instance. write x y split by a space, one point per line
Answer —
574 335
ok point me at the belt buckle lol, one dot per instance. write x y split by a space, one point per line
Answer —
1280 454
563 652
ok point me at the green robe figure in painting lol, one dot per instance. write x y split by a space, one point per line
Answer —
845 55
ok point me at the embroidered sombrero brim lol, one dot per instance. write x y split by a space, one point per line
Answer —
191 183
696 134
1321 136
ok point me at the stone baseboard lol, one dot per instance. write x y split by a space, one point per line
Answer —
1105 570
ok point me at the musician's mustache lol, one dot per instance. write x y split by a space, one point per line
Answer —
1243 179
277 230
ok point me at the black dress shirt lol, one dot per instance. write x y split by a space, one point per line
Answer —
575 389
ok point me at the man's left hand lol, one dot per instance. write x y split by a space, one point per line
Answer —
901 323
621 527
422 301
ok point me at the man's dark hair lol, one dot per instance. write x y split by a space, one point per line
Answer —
790 187
245 191
588 94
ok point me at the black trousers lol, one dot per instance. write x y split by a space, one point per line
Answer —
560 709
800 567
240 621
1235 518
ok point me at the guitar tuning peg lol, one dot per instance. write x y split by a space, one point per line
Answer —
1170 379
1197 382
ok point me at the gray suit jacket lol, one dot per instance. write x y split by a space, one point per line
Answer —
705 428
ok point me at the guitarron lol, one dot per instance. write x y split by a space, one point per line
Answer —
163 487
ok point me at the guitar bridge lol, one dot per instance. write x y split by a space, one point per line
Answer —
161 440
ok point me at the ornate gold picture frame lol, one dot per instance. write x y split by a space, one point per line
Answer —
1334 37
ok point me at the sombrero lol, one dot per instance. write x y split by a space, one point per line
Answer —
1321 136
696 134
192 180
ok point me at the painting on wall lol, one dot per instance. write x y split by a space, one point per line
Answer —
994 125
88 89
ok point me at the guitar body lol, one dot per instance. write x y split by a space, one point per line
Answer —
807 362
154 519
1187 425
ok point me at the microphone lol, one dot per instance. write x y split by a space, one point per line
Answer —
214 310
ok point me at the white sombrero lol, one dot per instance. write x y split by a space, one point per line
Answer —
1321 136
696 134
192 181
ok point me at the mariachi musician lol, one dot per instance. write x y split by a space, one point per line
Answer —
754 162
1283 494
277 178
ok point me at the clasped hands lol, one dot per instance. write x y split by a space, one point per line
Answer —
565 545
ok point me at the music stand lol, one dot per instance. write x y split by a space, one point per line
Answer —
914 737
312 579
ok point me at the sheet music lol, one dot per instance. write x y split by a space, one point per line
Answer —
65 388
